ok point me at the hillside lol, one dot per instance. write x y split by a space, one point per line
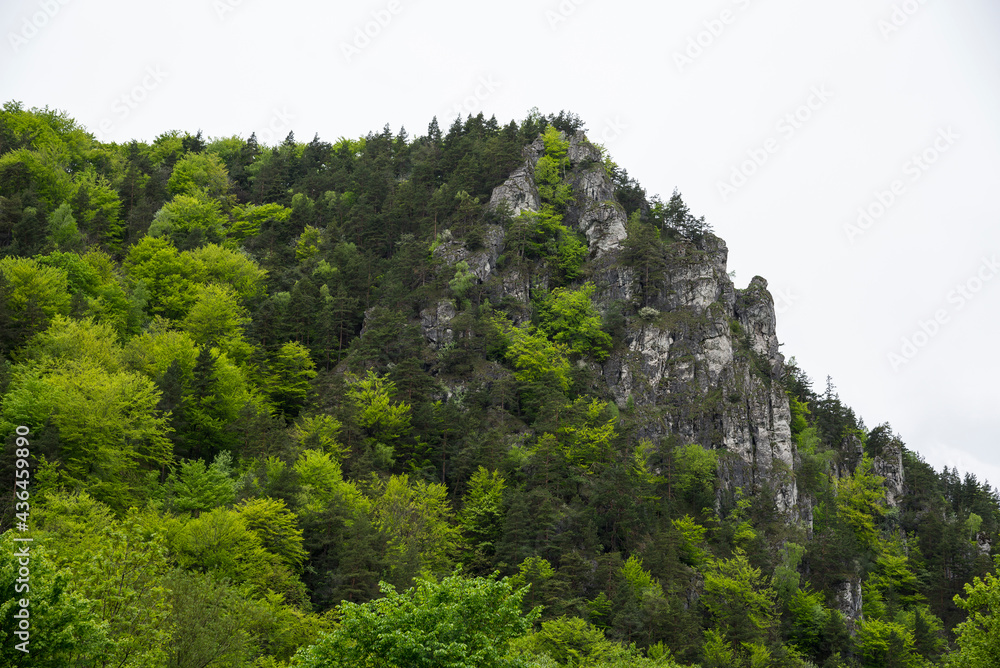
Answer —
467 398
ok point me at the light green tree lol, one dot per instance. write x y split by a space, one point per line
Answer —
199 172
111 433
60 622
217 318
198 487
288 380
63 231
455 623
536 357
978 637
36 293
481 518
416 519
569 317
377 413
190 221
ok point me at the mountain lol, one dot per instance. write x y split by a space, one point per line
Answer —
469 398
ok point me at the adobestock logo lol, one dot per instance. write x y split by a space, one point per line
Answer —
901 15
129 101
914 168
473 103
787 127
363 35
31 25
562 13
698 43
960 296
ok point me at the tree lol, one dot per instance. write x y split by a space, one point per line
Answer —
35 293
455 623
377 414
415 517
58 623
277 527
481 518
110 431
189 221
569 317
740 600
199 172
63 231
978 637
217 318
198 488
536 357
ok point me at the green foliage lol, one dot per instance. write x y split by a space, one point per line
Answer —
463 279
308 243
110 430
377 413
695 475
319 432
884 643
569 317
572 642
63 231
190 221
455 623
861 502
978 637
217 319
416 519
199 172
277 528
37 293
536 357
199 488
60 624
740 601
481 518
248 219
288 383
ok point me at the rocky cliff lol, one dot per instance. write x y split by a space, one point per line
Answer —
701 359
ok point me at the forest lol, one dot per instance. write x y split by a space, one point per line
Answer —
472 398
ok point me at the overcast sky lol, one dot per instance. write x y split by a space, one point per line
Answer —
780 121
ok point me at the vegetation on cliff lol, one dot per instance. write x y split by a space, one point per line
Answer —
321 404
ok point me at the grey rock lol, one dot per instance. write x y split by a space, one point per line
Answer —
436 323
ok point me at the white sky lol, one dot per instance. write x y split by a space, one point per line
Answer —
880 96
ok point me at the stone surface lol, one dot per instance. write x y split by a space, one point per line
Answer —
435 321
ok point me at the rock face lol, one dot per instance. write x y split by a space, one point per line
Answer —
701 360
849 600
594 211
436 323
519 193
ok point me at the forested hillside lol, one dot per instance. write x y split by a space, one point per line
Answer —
470 398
